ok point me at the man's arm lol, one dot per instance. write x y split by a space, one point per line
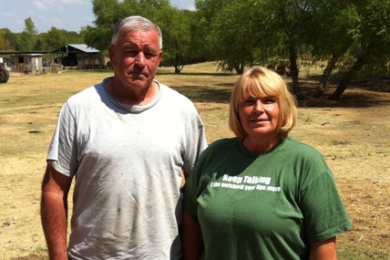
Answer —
54 209
324 250
191 236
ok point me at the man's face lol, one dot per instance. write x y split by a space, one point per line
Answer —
135 56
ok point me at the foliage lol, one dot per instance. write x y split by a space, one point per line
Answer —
27 37
30 40
9 39
352 36
234 36
371 49
107 13
175 25
33 103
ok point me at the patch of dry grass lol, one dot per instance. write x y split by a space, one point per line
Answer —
353 135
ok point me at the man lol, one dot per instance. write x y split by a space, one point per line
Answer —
127 141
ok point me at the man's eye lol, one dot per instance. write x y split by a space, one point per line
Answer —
150 55
131 52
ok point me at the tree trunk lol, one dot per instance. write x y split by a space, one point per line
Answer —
178 63
325 76
239 68
329 68
178 59
293 54
178 68
294 70
359 63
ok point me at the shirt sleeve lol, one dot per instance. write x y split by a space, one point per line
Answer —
323 210
195 144
62 150
190 193
197 182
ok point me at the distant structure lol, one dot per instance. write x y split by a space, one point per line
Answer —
28 62
80 55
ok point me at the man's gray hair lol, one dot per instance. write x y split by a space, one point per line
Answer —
136 23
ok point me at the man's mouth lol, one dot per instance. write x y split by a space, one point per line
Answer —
137 74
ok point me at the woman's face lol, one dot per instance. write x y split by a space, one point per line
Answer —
259 116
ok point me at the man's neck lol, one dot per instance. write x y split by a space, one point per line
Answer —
129 96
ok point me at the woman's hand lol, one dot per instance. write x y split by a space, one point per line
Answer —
191 236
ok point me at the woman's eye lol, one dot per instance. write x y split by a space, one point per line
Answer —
269 101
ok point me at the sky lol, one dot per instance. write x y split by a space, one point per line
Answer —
70 15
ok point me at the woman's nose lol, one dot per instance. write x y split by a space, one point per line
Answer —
259 107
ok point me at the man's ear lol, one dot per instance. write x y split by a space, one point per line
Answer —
111 51
160 57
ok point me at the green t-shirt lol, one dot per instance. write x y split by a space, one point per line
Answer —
268 205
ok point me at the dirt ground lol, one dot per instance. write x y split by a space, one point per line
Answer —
353 135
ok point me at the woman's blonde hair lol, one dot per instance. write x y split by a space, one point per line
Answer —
259 82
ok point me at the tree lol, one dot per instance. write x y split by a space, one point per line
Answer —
28 36
55 38
2 42
232 37
10 39
108 13
288 22
201 39
175 26
242 32
329 35
30 27
373 37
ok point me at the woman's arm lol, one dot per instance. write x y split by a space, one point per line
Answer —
324 250
191 236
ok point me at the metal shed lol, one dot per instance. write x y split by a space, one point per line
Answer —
80 55
26 62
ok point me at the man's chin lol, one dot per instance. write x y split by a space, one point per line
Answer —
138 83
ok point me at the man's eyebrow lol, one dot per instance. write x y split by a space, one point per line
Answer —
129 45
150 49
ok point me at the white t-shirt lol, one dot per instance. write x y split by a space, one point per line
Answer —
127 161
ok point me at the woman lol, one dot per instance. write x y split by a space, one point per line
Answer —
261 195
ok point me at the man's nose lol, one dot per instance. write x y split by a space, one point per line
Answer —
140 59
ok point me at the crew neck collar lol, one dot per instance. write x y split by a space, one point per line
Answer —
134 109
245 152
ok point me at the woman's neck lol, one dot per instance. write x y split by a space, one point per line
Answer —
263 144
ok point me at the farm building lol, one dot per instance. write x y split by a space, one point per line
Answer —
26 62
79 55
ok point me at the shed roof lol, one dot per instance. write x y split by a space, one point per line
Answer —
75 48
27 54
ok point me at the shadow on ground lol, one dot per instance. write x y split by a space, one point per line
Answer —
360 93
220 94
